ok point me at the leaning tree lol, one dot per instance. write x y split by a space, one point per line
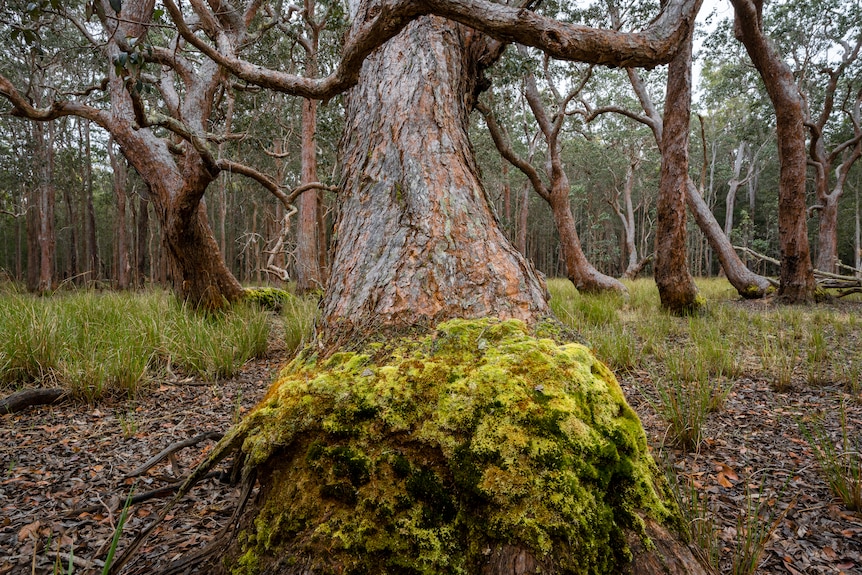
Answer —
436 425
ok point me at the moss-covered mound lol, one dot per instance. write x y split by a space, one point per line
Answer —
422 455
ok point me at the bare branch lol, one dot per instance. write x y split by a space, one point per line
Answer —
505 149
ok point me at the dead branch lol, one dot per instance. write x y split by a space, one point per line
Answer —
174 447
23 399
824 279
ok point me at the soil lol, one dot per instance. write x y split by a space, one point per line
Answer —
63 467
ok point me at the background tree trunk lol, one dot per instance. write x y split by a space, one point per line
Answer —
417 242
676 287
797 274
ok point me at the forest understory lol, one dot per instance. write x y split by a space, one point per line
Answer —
64 468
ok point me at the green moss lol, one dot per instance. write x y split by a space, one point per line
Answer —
418 459
268 298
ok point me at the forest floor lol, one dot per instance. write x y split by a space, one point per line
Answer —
63 468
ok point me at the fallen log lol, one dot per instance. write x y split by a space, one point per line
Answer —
21 400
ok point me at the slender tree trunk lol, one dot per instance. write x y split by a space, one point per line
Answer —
797 274
121 263
42 243
90 209
142 245
523 220
309 274
73 233
417 240
676 287
857 244
733 186
33 224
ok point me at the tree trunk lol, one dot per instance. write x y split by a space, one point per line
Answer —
309 276
417 241
523 219
309 273
827 237
732 187
45 196
90 209
121 259
797 274
142 244
676 287
747 283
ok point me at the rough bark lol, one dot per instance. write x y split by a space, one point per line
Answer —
417 242
309 275
676 287
797 274
121 258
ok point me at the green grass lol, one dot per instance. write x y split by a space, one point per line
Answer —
693 361
110 344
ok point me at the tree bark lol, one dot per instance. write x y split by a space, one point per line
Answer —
417 242
121 258
676 287
90 209
732 187
797 274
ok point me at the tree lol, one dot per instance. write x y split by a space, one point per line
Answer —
797 274
417 244
556 192
676 287
748 284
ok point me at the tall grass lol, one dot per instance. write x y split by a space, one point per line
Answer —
97 344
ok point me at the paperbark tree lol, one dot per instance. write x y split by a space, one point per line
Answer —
797 274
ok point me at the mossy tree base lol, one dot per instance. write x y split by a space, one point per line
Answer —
480 448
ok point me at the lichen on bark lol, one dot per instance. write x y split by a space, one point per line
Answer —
422 455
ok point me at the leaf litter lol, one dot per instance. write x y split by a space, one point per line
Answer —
58 459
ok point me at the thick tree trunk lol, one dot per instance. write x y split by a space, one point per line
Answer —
417 242
676 287
797 274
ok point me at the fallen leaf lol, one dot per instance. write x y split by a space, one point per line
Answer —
29 530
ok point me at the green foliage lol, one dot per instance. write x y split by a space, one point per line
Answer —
298 317
416 455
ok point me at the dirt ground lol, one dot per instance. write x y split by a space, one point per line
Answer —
63 473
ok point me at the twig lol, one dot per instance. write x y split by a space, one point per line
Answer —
213 435
163 491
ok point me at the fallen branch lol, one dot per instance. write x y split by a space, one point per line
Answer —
174 447
21 400
163 491
824 279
